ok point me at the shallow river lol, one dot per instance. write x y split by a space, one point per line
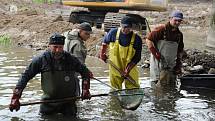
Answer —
180 105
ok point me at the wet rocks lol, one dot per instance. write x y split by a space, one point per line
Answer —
198 61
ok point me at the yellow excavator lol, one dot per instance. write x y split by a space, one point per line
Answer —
106 12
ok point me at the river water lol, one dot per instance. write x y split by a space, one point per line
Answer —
177 105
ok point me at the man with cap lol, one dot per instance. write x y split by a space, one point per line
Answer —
57 69
125 48
166 46
75 44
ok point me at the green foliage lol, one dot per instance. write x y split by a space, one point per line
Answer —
5 40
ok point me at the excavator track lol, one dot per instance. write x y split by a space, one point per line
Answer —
92 17
112 20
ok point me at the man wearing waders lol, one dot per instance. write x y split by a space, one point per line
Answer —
57 69
125 48
74 44
166 45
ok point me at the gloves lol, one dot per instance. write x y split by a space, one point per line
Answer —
102 54
15 104
154 52
90 74
178 71
128 68
178 66
85 89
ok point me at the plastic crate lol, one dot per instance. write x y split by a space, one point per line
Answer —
198 81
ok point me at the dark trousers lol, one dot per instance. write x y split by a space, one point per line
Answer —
68 108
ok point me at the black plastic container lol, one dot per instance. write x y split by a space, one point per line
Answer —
198 81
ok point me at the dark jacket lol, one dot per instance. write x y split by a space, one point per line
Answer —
45 63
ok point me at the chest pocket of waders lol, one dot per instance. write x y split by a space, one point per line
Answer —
58 84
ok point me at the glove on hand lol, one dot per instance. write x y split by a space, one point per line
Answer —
154 52
91 75
85 90
128 68
15 104
178 66
102 54
178 71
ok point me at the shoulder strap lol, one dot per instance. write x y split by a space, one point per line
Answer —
165 33
69 41
118 33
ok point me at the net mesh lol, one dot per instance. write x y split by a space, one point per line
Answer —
129 99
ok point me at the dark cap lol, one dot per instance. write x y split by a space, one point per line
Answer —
85 26
57 39
126 21
177 15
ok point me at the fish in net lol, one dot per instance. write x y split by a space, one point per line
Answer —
129 99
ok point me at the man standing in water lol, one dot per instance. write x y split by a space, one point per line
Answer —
57 69
166 46
125 48
74 44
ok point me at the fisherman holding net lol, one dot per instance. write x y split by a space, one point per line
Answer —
125 48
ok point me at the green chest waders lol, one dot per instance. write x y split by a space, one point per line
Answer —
57 85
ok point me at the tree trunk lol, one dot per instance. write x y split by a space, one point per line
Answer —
211 33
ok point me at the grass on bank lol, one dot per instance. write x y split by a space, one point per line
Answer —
5 40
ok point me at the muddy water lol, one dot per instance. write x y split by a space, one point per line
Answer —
157 105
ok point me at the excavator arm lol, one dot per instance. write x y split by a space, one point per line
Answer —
136 5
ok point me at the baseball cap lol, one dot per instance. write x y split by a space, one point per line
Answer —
57 39
85 26
126 21
177 15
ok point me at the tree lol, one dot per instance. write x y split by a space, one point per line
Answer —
211 34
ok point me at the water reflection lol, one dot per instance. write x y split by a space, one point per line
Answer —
165 102
157 105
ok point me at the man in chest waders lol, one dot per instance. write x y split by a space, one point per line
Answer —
166 46
125 48
57 69
75 45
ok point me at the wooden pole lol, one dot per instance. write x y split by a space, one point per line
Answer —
104 83
129 78
60 100
75 98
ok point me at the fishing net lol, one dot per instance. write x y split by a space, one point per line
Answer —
129 99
